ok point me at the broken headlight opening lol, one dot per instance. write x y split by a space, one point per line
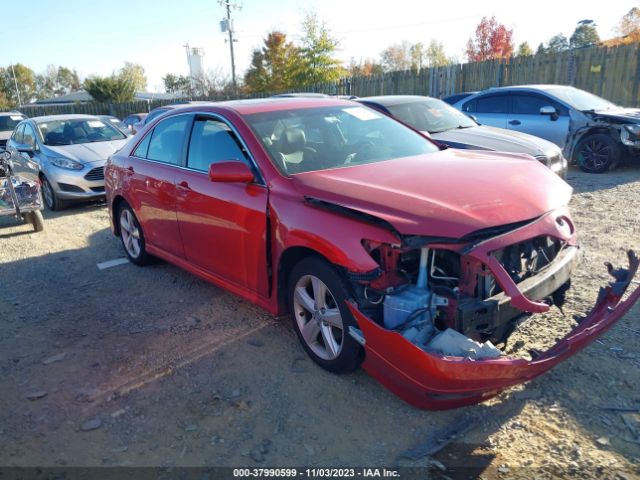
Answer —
630 135
442 299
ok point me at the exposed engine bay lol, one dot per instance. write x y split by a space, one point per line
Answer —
444 300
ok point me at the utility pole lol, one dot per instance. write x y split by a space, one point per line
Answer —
229 27
15 82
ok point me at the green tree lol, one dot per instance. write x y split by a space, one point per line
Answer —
584 35
113 89
524 50
317 54
68 80
557 43
57 81
25 79
436 57
135 74
418 55
176 83
541 49
275 66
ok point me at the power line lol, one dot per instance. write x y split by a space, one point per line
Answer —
389 27
408 25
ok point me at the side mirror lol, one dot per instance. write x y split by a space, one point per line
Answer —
231 171
472 117
25 148
550 111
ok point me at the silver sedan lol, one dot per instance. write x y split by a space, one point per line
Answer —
70 152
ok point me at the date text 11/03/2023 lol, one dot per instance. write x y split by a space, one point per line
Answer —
315 473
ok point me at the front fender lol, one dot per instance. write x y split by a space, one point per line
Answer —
336 237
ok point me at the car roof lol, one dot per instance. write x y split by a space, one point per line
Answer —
51 118
542 86
13 112
395 99
272 104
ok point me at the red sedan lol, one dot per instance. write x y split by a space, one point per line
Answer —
386 250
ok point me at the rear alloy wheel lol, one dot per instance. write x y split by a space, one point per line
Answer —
597 153
317 295
132 236
50 198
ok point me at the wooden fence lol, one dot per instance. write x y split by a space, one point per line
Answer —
610 72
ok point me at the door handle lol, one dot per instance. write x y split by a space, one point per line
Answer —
184 185
515 122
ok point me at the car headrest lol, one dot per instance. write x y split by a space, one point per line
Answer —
292 140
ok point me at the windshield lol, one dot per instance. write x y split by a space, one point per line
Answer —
581 100
311 139
430 115
9 122
70 132
117 123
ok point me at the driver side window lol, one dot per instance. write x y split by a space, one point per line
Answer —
212 141
29 136
18 135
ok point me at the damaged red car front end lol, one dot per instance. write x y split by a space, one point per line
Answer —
434 381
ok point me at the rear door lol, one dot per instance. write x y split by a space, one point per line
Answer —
525 117
223 225
490 109
151 182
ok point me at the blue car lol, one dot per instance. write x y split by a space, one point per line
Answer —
593 132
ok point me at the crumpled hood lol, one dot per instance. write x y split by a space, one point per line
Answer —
485 137
87 152
625 115
449 193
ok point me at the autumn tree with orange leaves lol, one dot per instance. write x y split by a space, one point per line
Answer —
492 41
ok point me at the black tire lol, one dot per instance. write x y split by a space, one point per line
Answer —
350 353
35 219
51 200
138 255
597 153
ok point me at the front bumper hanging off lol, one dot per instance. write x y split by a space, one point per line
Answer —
432 381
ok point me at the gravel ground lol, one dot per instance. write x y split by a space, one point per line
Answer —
154 367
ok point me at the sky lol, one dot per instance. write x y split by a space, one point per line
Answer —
98 37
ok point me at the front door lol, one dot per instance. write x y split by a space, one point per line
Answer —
525 117
223 225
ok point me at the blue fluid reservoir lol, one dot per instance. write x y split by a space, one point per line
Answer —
397 308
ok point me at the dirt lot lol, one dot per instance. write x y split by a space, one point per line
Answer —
154 367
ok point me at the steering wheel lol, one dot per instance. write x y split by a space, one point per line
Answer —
362 151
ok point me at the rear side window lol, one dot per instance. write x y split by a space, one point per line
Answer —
492 104
212 141
165 141
143 148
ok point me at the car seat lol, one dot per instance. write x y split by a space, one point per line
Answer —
295 156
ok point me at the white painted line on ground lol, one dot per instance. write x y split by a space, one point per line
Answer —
112 263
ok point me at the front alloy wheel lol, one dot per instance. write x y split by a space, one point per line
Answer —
321 318
597 153
50 198
318 317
